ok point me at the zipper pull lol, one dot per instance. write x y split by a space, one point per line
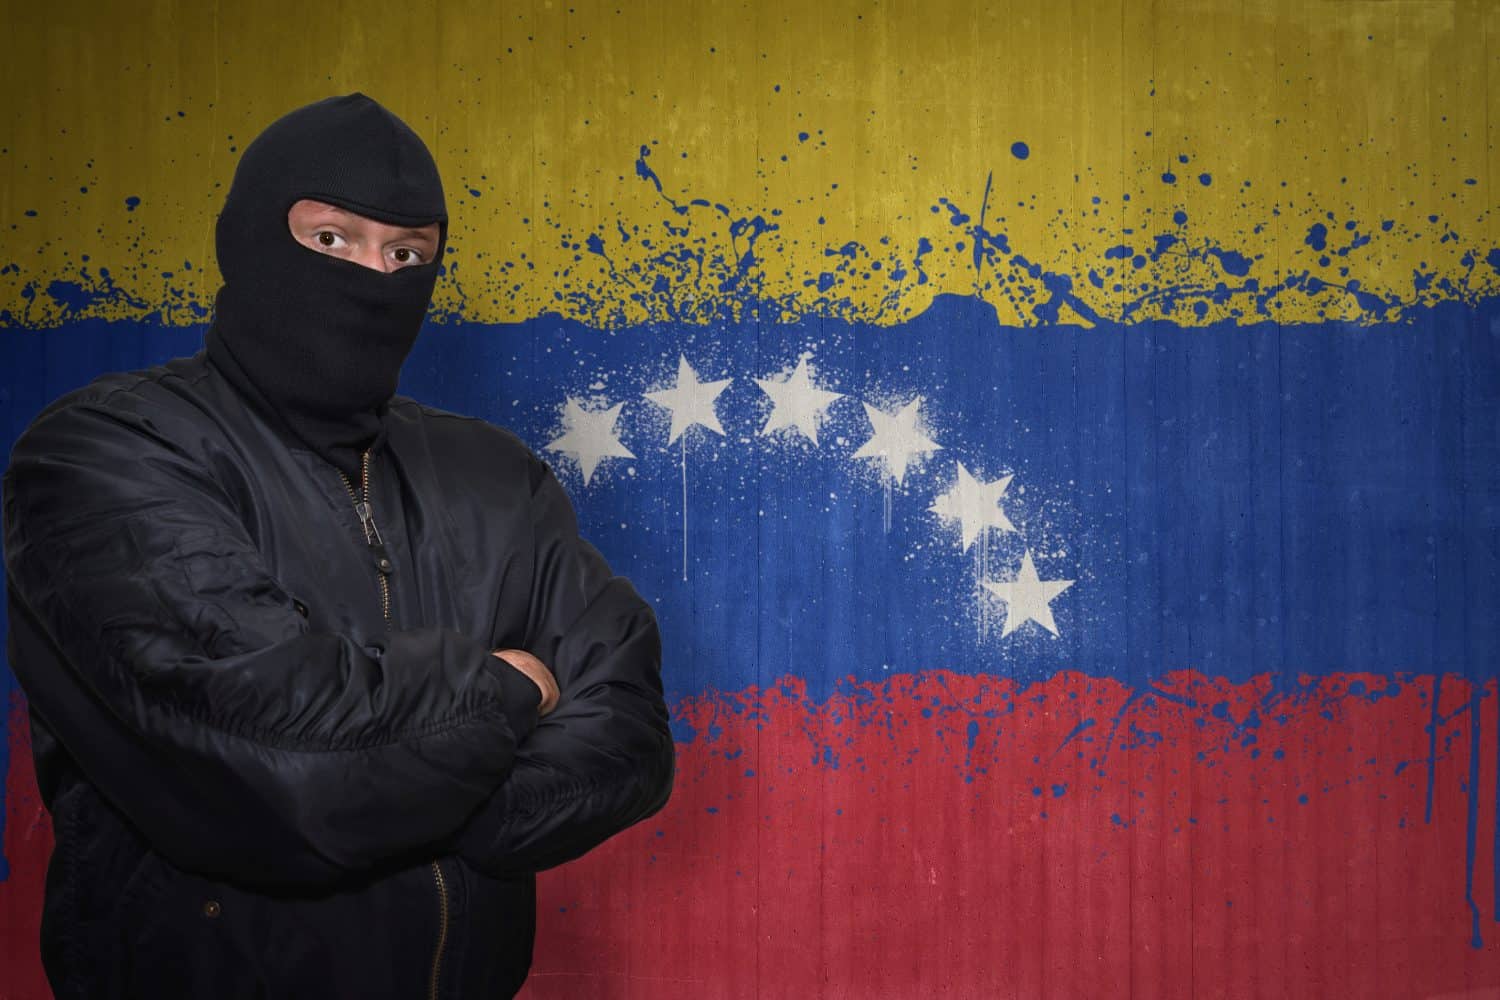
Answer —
367 521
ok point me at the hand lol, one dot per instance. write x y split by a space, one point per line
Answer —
539 674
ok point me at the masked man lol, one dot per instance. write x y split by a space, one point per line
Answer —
292 644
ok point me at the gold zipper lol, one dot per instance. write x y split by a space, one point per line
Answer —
361 499
437 956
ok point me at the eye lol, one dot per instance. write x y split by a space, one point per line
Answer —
326 239
406 256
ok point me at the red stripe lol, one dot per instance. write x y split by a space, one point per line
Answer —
895 875
923 865
28 843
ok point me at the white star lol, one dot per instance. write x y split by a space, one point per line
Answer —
798 403
1028 598
974 505
691 401
589 435
896 438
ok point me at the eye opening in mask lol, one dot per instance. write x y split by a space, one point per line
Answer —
340 232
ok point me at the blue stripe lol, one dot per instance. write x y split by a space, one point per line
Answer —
1292 500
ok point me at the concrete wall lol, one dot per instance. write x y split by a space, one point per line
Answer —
1080 579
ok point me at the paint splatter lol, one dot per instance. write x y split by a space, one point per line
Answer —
703 259
1196 820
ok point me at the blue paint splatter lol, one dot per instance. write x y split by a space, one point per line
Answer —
1432 731
1233 262
1020 150
71 295
644 172
1061 288
1368 301
1083 726
924 247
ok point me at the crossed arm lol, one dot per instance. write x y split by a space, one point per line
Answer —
245 745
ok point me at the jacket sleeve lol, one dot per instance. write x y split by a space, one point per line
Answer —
150 638
604 758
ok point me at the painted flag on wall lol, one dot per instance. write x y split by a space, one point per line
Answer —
1060 444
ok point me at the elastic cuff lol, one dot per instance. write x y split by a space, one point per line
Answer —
520 698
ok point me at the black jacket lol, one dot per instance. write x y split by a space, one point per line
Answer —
272 774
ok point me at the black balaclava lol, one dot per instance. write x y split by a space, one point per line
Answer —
315 339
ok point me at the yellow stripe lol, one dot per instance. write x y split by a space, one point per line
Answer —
1372 111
